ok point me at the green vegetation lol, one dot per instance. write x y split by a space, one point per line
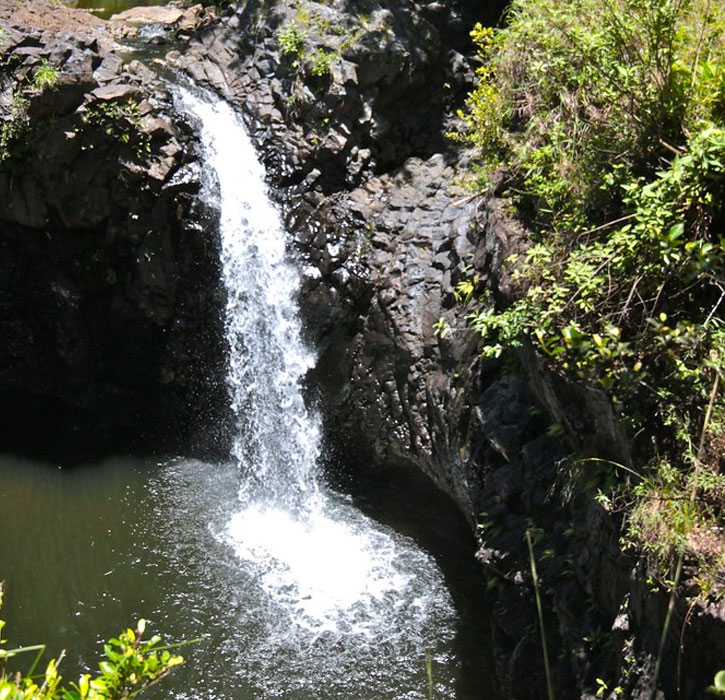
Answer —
321 62
292 37
295 46
15 132
120 120
540 614
45 76
718 684
312 43
131 665
604 121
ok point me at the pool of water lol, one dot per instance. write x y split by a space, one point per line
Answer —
106 8
88 551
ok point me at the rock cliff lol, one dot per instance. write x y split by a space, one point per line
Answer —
108 277
367 180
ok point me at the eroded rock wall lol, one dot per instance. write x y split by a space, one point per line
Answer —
108 276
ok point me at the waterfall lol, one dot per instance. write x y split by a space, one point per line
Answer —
277 439
332 595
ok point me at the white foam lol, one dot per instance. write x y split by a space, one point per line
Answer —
332 574
326 587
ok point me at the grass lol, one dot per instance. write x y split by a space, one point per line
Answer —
540 615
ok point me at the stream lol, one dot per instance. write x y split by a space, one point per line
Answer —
298 589
107 8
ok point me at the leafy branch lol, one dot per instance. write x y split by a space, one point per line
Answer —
131 665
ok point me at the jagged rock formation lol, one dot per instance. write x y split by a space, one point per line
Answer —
108 279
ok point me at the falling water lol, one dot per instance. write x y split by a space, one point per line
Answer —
277 440
339 598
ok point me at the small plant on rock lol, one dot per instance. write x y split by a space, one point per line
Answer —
45 76
292 38
321 63
122 121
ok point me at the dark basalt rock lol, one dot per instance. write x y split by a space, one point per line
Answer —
359 163
108 277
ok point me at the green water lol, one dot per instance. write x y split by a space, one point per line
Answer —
106 8
89 551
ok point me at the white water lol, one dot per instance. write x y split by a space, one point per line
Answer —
341 599
277 440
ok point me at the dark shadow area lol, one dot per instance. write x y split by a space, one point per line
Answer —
406 500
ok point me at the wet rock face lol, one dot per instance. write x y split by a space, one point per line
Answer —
108 276
359 162
396 384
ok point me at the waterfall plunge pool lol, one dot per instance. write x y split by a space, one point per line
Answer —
87 552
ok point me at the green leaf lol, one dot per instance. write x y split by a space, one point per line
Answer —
676 231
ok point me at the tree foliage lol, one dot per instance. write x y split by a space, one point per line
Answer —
606 121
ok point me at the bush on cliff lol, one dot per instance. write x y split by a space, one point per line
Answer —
605 121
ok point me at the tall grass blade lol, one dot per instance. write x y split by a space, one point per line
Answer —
540 613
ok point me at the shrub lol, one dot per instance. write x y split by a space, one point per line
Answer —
292 37
45 76
16 129
606 121
131 665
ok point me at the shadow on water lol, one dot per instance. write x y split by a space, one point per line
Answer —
407 501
